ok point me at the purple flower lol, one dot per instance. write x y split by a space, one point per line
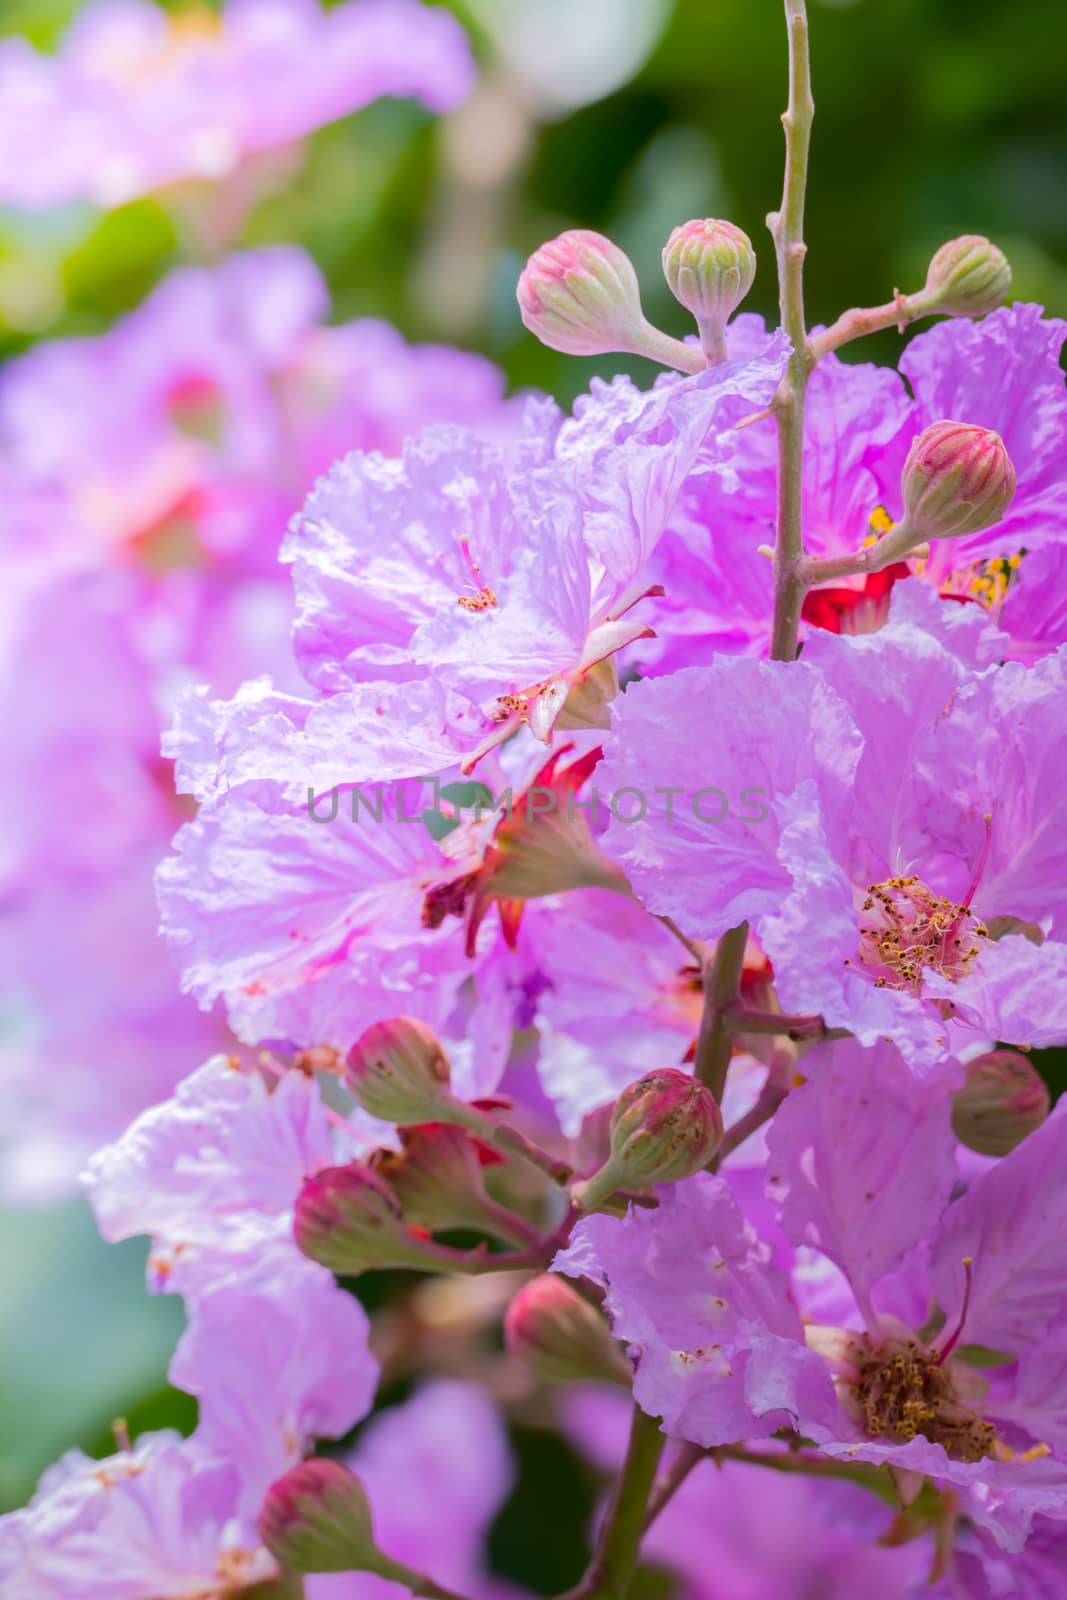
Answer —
160 1519
141 547
911 827
692 1290
507 574
1001 373
137 100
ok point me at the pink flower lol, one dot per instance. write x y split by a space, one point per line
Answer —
137 100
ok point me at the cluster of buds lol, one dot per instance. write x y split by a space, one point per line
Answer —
579 293
381 1213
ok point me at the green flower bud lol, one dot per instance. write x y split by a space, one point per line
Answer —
317 1519
968 277
957 479
348 1219
710 267
560 1336
1001 1102
398 1071
664 1127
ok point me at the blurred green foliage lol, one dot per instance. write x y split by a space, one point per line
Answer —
934 117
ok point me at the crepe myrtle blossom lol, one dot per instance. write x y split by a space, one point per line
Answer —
1001 373
158 1519
212 1175
228 397
140 544
948 1324
914 839
449 597
312 930
144 99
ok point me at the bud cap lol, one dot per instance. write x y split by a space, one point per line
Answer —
957 479
1002 1100
317 1519
710 267
968 277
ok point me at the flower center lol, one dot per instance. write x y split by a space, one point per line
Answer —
905 1390
906 929
985 581
447 900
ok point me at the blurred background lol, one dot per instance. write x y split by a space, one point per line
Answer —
934 117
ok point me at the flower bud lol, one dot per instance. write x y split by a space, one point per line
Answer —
560 1336
1002 1100
348 1219
968 277
579 294
317 1519
398 1071
710 267
957 479
437 1178
664 1127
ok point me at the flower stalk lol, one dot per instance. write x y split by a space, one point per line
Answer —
787 230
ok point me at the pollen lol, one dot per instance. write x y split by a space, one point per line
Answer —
880 522
508 705
484 600
904 1390
906 931
985 581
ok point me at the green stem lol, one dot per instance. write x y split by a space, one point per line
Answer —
787 230
509 1141
657 346
806 1025
619 1542
877 1479
862 320
896 545
722 984
419 1583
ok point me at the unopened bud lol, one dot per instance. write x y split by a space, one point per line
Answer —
398 1071
968 277
957 479
437 1178
560 1336
664 1127
317 1519
710 267
579 293
1002 1100
349 1220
